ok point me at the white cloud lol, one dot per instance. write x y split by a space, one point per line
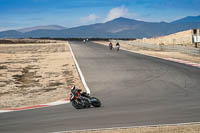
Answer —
92 18
9 28
118 12
4 29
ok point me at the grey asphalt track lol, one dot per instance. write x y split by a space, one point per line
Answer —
135 90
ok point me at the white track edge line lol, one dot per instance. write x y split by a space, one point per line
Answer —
4 111
57 103
79 70
128 127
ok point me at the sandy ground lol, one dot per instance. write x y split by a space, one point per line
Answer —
164 54
195 128
26 41
32 74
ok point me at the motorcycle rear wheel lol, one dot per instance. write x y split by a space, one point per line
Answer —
77 105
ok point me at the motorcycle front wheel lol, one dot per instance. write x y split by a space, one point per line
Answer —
95 102
77 105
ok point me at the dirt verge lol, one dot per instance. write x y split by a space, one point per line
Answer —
163 54
188 128
32 74
26 41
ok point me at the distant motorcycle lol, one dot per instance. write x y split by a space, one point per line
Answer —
110 46
117 47
82 100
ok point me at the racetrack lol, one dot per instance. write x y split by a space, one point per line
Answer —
134 89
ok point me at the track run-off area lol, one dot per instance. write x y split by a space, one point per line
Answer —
135 90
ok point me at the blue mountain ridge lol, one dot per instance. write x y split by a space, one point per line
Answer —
117 28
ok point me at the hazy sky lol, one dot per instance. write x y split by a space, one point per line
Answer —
69 13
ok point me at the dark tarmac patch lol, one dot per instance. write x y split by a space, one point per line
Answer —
55 84
3 67
27 78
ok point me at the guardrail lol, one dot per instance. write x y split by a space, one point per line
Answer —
171 48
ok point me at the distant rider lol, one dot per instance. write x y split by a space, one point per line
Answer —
117 46
110 46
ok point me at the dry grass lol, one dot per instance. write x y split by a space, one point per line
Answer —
164 54
26 41
32 74
188 128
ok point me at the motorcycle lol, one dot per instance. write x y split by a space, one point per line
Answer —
82 100
110 46
117 47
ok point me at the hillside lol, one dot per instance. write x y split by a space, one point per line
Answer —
117 28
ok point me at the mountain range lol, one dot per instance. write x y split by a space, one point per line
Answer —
117 28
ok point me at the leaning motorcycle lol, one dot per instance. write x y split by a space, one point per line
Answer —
82 100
